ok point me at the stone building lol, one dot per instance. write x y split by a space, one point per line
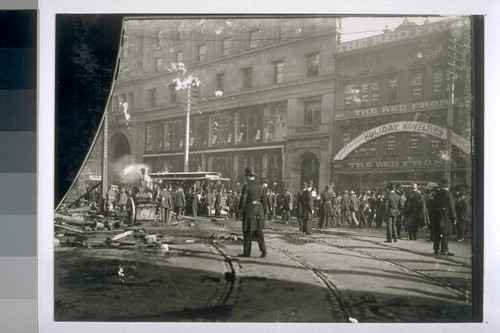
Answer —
265 100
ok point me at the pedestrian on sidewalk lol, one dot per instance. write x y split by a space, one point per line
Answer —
392 211
414 212
253 200
444 211
463 210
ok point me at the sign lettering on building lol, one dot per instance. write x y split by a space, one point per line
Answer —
394 109
403 126
399 35
420 163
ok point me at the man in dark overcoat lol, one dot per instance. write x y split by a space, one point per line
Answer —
307 208
414 211
445 215
252 203
326 208
392 211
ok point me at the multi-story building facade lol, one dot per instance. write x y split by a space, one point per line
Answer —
283 96
265 99
391 111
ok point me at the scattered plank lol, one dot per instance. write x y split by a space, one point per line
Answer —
122 235
69 229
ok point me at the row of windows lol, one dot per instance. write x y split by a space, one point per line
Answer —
366 92
312 61
392 144
260 124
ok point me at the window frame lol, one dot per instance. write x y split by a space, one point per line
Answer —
252 41
247 77
220 84
390 77
226 50
315 57
314 115
201 56
276 71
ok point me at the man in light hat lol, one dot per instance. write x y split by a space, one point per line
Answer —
445 215
252 202
392 210
414 211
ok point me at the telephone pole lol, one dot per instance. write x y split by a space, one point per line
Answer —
456 61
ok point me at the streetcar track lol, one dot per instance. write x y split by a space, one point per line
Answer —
340 297
442 282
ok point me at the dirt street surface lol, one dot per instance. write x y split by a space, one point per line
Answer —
334 275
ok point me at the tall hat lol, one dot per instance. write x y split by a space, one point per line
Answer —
445 183
249 172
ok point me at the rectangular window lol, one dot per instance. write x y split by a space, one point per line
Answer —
220 81
130 100
393 89
179 57
312 64
391 144
346 137
414 143
416 86
437 145
375 93
199 131
159 65
158 129
279 71
372 147
226 46
253 38
247 77
149 137
312 112
221 129
152 97
438 83
365 93
202 52
348 95
241 127
173 93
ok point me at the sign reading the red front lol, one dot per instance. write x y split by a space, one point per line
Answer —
394 109
414 163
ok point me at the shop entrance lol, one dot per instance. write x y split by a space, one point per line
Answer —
309 169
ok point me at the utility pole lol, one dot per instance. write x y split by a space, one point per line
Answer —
186 138
455 68
105 162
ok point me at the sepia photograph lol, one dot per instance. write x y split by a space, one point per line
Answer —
267 169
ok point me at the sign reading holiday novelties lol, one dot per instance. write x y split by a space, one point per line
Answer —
391 164
395 109
401 34
403 126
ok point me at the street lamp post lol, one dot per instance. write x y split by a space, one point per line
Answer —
186 140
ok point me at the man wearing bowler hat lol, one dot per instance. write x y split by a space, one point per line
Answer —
445 215
393 208
307 207
252 204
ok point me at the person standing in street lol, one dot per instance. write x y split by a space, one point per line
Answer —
179 202
345 208
354 210
267 207
251 205
307 207
218 203
445 214
399 219
209 202
165 200
326 208
298 205
392 210
463 212
195 200
287 205
414 212
230 204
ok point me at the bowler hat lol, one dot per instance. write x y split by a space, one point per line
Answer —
399 186
264 180
445 183
391 185
249 172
